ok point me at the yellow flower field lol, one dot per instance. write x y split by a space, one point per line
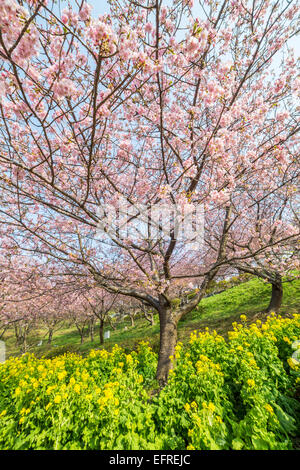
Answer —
223 393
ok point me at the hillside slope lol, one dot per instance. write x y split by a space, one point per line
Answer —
215 312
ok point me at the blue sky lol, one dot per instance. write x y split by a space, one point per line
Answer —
101 6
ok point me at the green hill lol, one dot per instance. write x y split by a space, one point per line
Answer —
216 312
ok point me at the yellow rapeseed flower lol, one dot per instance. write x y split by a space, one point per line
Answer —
269 409
61 375
292 363
57 399
108 393
211 407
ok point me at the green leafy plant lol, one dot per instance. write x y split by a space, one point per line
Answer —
235 393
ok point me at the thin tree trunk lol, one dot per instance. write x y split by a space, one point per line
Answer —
80 331
111 323
149 317
24 342
131 319
50 336
2 334
276 297
92 330
101 331
18 336
168 339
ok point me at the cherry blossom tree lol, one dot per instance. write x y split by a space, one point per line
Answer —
19 305
276 261
154 103
101 303
53 313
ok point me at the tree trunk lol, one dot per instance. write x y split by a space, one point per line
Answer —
101 331
80 331
18 335
168 339
24 343
149 317
276 297
50 336
92 329
131 319
111 323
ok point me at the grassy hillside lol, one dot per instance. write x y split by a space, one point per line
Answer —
215 312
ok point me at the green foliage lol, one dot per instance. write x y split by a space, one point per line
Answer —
248 297
235 394
222 394
58 351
